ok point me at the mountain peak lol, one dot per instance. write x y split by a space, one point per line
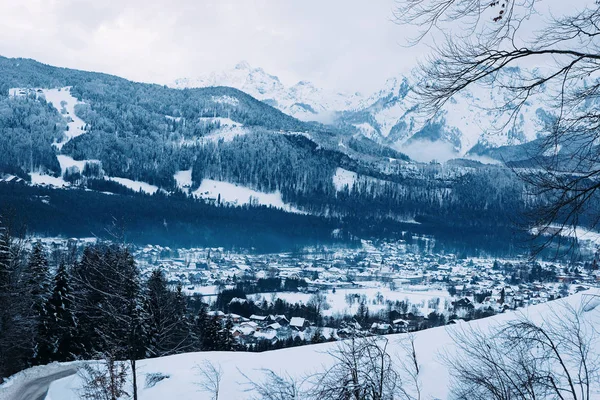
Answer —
243 65
304 100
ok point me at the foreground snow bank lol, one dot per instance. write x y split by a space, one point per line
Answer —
300 362
18 383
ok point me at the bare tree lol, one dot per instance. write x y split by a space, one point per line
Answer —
523 359
364 370
492 43
104 380
409 369
274 387
211 377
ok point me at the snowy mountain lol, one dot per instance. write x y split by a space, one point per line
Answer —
302 100
468 124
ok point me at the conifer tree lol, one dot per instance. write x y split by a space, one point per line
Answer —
58 324
36 281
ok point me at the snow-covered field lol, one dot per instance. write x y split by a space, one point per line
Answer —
47 180
183 179
221 120
67 161
299 362
376 299
136 185
238 195
225 133
344 178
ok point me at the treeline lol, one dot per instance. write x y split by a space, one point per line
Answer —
166 220
91 305
149 132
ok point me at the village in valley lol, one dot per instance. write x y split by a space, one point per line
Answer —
321 294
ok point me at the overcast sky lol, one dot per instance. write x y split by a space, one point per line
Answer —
346 45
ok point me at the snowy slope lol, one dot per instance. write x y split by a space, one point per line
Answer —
344 179
302 100
300 362
237 194
136 186
65 103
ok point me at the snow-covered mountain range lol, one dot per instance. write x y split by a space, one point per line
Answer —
303 100
468 125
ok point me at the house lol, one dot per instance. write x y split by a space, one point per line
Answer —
463 304
381 328
299 323
217 314
258 318
273 327
400 325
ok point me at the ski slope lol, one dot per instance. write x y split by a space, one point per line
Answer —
299 362
65 103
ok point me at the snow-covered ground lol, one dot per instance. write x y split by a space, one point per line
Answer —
67 161
65 103
300 362
222 121
183 179
344 178
136 185
238 195
226 133
47 180
376 299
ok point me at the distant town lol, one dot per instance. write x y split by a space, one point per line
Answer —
324 294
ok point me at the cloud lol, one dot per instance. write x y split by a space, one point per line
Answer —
426 151
347 45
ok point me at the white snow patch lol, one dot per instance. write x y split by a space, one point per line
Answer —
221 120
47 180
171 118
135 185
67 161
226 100
183 179
238 195
226 133
344 178
367 130
65 103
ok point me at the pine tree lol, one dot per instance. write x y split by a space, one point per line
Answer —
37 287
182 337
226 339
17 326
210 334
58 325
157 316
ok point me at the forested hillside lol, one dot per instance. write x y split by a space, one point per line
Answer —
149 133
